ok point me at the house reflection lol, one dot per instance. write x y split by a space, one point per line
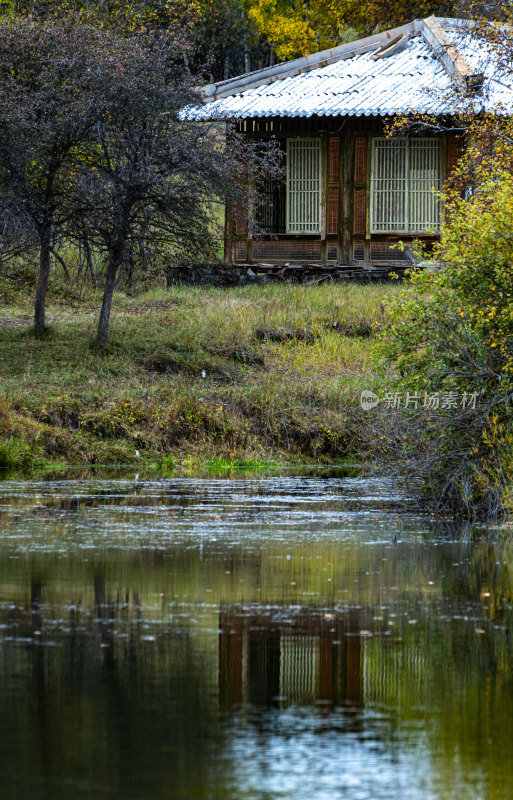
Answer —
277 656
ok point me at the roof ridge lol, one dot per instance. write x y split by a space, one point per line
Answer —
430 28
465 78
251 80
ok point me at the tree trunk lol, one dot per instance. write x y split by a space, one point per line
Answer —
247 60
44 276
110 284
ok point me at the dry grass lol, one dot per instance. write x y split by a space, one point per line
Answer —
261 372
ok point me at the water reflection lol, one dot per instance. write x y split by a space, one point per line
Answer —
290 656
249 639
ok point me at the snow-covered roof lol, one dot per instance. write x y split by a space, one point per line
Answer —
431 66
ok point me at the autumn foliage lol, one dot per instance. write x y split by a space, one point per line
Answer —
235 36
451 335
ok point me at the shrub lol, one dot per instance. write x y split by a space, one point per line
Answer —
451 337
16 454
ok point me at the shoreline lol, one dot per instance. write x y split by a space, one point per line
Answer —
247 376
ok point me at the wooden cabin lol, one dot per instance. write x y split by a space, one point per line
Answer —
351 193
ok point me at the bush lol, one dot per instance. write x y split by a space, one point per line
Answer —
450 341
17 455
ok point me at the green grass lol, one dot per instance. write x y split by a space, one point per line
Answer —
240 463
254 374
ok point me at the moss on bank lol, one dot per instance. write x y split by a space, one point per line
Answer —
252 374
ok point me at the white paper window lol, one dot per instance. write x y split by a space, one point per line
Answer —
303 185
404 182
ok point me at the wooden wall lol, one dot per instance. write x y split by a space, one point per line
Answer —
345 235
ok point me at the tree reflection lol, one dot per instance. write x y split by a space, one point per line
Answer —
138 669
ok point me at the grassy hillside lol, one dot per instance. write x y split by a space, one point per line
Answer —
253 374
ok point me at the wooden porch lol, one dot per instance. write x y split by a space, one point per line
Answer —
353 200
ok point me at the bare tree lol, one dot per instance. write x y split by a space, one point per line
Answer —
48 108
95 148
153 180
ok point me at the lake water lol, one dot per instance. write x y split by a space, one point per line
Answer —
248 639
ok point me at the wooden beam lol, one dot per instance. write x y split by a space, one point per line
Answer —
395 46
455 65
242 83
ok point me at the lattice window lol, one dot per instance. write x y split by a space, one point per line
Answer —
332 251
360 160
298 667
453 152
332 215
359 251
404 174
424 182
241 251
241 214
302 250
389 185
359 211
334 160
386 251
303 185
